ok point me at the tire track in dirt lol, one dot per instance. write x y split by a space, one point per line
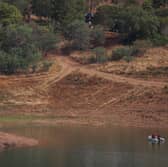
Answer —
70 66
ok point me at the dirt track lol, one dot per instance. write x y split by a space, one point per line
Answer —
68 66
73 91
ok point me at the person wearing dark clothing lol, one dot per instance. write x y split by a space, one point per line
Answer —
158 137
89 17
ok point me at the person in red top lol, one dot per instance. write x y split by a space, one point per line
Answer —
153 136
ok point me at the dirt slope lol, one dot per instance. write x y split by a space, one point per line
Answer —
115 78
81 92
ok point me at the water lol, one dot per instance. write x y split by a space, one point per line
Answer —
86 147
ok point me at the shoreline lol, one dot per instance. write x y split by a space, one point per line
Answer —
50 120
13 141
8 141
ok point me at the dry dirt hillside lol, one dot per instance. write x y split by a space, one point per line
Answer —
114 93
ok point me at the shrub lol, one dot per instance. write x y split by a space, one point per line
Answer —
78 33
159 40
46 65
130 20
124 52
162 12
128 58
92 59
44 39
9 64
19 51
9 14
22 5
147 5
97 35
164 25
15 36
142 45
159 3
18 59
100 54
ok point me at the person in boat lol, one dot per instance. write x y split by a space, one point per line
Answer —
153 136
158 137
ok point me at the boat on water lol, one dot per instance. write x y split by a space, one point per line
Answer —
156 139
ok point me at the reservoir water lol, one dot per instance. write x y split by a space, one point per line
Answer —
86 147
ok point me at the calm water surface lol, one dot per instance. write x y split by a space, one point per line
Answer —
86 147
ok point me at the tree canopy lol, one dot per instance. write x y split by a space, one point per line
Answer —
65 12
9 14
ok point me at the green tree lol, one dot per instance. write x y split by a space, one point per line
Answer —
78 33
97 35
107 15
18 50
131 20
159 3
41 7
147 5
9 14
44 39
24 6
15 36
65 12
20 4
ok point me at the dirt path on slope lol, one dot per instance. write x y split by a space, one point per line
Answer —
94 94
69 65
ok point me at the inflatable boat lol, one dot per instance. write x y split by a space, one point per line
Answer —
156 140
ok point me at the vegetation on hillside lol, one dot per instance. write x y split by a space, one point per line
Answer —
24 42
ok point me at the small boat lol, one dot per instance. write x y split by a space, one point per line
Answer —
156 140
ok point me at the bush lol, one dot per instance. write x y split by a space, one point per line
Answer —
78 33
22 5
44 39
164 25
97 35
9 14
15 36
100 54
162 12
9 64
128 58
147 5
159 40
18 59
130 20
92 59
142 45
46 65
18 50
124 52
